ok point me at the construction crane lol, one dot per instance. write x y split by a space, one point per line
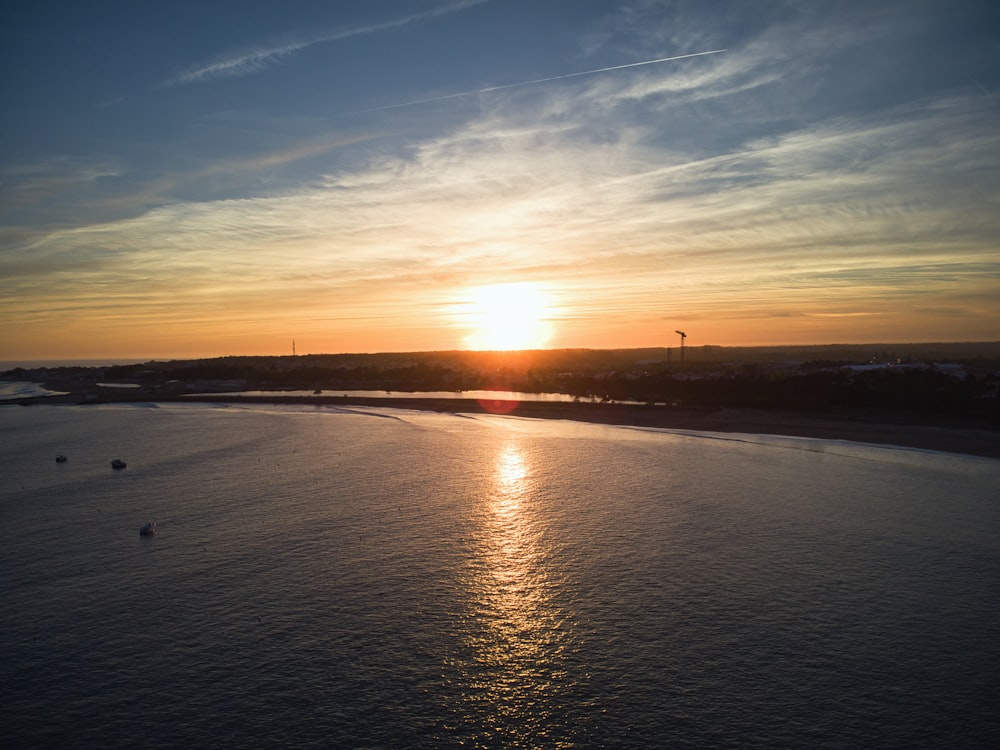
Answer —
683 336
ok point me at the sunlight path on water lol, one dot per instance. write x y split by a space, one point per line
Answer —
516 632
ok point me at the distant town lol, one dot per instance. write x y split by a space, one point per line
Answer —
959 379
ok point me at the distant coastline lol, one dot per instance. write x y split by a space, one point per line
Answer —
929 396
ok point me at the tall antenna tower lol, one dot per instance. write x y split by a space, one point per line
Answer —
293 347
683 336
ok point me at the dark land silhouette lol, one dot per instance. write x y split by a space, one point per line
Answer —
936 396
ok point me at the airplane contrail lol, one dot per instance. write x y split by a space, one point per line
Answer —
537 80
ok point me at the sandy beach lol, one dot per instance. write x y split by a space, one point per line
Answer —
953 434
949 434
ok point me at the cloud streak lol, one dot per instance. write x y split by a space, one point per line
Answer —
623 237
762 195
257 59
490 89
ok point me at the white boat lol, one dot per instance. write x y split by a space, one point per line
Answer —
118 464
148 529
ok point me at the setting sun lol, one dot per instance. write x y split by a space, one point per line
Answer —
508 316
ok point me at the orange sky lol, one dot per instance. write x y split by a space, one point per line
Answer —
819 181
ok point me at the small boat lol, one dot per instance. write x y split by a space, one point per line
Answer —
118 464
60 459
148 529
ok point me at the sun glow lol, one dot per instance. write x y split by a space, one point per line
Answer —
508 317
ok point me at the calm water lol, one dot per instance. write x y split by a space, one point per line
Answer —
393 579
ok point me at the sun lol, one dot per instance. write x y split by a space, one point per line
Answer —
505 317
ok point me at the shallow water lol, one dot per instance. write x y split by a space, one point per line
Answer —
23 389
386 578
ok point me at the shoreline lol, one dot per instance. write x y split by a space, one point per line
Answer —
907 431
925 432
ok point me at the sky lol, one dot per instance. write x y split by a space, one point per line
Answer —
196 178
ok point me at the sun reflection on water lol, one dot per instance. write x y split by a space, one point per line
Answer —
517 633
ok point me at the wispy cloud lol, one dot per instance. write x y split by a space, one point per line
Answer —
549 79
55 191
252 60
874 216
704 192
43 180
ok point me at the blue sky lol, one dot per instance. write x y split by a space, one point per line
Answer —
198 178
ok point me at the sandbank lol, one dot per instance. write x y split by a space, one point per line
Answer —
926 432
948 433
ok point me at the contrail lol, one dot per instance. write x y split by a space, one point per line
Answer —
537 80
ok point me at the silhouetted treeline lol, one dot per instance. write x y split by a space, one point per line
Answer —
923 390
966 386
828 388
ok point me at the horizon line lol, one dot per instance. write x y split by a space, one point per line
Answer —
20 362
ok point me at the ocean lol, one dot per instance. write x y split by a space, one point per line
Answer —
381 578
